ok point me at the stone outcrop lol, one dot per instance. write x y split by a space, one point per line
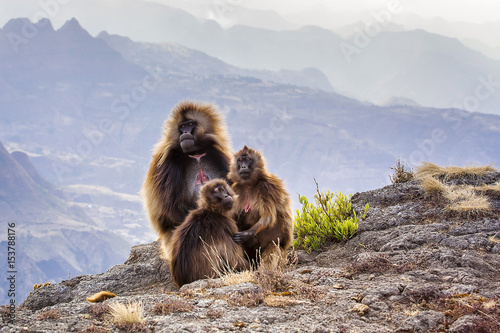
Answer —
413 266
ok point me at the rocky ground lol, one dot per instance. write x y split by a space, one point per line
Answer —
413 266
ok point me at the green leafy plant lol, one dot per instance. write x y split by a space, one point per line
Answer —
330 218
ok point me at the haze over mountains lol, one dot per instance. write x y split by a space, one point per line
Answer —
374 65
87 111
54 238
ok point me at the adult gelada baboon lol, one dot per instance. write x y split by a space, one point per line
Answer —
263 209
203 245
194 149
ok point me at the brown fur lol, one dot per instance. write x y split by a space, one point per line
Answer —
203 246
167 191
208 117
268 198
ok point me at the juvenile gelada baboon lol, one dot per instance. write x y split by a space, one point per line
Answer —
203 245
193 149
263 209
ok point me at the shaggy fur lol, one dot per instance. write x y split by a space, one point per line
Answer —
203 246
169 190
269 214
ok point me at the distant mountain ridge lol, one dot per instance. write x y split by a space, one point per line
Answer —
404 63
108 65
54 238
282 119
175 57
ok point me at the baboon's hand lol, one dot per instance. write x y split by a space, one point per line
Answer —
243 236
241 216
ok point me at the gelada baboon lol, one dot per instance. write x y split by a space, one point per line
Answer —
263 209
194 148
203 245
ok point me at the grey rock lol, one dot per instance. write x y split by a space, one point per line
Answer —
422 322
409 254
464 324
143 270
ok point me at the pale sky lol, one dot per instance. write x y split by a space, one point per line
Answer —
476 11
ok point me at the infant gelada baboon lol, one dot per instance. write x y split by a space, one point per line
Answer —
203 245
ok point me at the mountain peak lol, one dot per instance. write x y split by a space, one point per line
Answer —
72 27
104 35
15 25
45 24
19 25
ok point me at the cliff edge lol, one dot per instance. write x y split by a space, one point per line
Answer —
414 266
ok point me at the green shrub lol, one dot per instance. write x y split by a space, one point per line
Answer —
332 218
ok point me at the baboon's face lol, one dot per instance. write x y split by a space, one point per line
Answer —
187 136
222 196
244 165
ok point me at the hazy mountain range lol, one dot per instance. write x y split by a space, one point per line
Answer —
54 238
387 64
87 112
175 57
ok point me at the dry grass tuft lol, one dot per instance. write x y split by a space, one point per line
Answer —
494 239
272 280
36 286
130 313
378 263
172 305
280 301
307 291
466 200
246 300
402 173
238 277
428 169
49 314
215 313
219 265
432 185
494 187
99 310
456 306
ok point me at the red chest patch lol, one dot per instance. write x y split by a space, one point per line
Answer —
248 202
248 205
201 177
